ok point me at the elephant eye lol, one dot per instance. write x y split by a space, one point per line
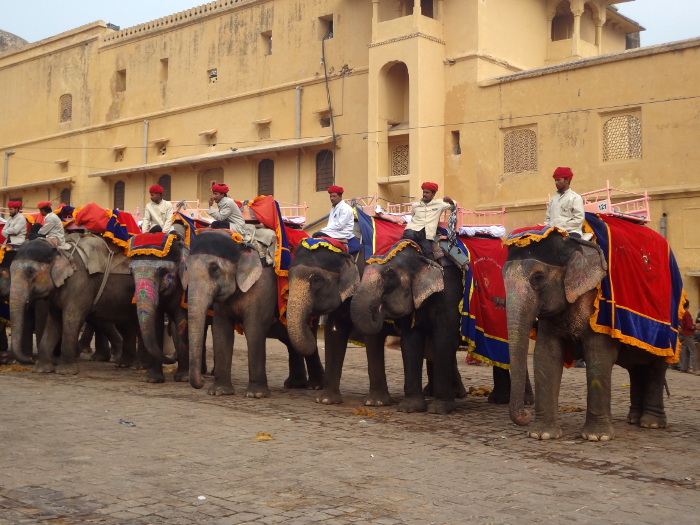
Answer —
537 280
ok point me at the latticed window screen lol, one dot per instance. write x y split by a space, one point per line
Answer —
266 177
119 188
66 107
324 170
164 180
520 151
622 138
400 165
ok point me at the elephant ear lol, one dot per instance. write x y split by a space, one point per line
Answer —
61 269
426 282
349 279
249 269
184 276
584 271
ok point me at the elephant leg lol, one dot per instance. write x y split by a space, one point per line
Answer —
548 365
412 345
51 336
653 412
460 392
314 367
336 334
600 353
154 366
180 335
86 339
67 362
257 375
297 369
223 335
501 386
376 367
638 379
5 356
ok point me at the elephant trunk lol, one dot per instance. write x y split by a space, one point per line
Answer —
366 306
299 308
19 297
521 309
147 300
199 300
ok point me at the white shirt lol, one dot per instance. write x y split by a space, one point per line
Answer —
340 222
53 228
426 215
15 230
160 214
228 210
565 211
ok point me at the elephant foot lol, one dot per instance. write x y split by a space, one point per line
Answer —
221 390
544 431
315 383
499 397
181 376
296 383
428 389
652 421
153 376
597 432
123 362
100 357
460 392
378 399
442 406
412 404
529 398
67 369
633 417
44 367
138 365
257 393
327 397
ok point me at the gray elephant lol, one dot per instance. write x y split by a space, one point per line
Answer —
423 299
230 275
42 271
554 281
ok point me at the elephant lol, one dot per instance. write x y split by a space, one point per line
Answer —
42 271
158 291
423 299
231 276
321 282
554 282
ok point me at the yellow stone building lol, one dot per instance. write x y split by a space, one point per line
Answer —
484 97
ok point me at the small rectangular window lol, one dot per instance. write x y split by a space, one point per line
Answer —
325 122
456 147
266 42
213 75
163 69
325 27
121 80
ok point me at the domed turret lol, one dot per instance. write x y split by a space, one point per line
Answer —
9 42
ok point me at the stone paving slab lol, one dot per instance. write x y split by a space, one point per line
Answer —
192 458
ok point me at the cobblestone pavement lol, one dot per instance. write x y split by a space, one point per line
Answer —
69 455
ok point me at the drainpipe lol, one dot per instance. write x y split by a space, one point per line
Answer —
144 160
4 177
298 135
662 224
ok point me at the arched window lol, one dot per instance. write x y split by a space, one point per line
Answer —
206 179
266 177
119 189
65 196
519 151
164 180
622 138
66 107
324 170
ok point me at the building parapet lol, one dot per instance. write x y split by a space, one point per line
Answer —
177 19
594 61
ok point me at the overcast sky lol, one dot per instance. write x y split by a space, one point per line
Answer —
665 21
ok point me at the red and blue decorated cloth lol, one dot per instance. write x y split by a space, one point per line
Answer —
157 244
639 302
378 235
392 251
294 236
484 325
328 243
120 227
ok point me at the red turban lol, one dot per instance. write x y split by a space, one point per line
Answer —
336 189
44 204
14 204
156 188
219 188
563 173
429 186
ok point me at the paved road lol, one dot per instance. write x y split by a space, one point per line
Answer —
192 458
